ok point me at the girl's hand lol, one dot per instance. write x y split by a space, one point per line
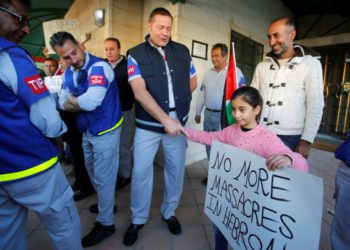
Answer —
184 132
278 161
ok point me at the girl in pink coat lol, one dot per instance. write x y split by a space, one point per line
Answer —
249 135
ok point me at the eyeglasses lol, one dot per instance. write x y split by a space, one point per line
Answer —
22 20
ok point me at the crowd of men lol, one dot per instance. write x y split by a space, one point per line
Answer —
96 101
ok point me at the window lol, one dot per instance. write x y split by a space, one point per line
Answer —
248 54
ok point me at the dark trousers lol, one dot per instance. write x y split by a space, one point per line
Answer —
291 141
74 139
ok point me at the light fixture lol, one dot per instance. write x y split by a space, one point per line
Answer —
99 17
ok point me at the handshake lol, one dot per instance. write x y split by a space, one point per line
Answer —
174 128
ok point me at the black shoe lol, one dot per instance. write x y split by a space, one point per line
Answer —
173 225
131 234
97 234
122 182
94 209
205 181
81 194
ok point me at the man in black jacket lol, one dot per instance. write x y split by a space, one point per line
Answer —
119 64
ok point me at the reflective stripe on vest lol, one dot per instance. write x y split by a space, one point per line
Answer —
29 172
114 127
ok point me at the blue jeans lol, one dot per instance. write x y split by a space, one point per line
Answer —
291 141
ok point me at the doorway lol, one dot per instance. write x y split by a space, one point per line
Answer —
335 61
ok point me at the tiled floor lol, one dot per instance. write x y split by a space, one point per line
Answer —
197 230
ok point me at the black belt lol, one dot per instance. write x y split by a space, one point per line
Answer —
172 109
213 110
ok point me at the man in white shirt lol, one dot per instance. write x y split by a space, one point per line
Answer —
211 92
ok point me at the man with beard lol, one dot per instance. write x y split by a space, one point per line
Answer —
289 80
89 89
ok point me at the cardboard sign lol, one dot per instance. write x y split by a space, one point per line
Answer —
256 208
51 27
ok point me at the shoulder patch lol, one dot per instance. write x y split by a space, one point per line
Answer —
131 70
97 80
36 84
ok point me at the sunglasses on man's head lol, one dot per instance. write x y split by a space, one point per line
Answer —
22 20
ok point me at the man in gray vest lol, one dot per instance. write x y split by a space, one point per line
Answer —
162 76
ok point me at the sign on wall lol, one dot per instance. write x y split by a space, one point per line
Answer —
256 208
51 27
199 50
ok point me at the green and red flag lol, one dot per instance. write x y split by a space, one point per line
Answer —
232 83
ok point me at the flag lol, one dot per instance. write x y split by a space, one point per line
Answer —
232 83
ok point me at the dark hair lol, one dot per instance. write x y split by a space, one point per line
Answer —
250 95
59 38
113 40
26 3
288 21
223 47
159 11
52 60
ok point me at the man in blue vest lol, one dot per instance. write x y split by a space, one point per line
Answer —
89 88
162 77
127 99
31 177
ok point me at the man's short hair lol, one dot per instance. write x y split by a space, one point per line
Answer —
288 22
113 40
159 11
59 38
6 3
223 47
52 60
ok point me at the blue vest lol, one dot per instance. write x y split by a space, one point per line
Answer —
153 71
24 150
106 117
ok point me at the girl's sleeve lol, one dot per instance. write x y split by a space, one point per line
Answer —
205 137
276 146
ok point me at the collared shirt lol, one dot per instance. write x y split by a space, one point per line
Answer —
212 89
117 62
